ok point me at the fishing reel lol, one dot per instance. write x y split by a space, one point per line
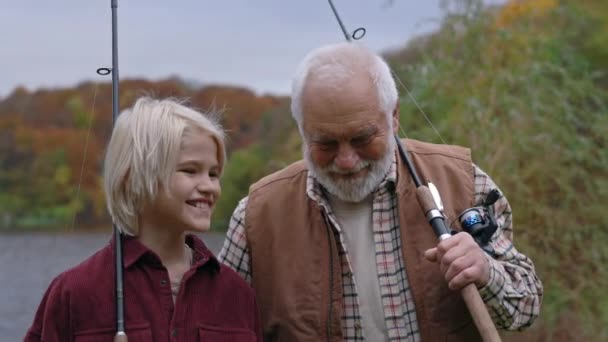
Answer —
480 221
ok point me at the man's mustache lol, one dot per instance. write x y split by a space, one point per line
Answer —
333 168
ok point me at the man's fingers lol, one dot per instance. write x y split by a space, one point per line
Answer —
448 244
464 278
459 266
450 257
461 261
431 254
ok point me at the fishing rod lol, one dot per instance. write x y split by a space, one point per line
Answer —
430 203
121 335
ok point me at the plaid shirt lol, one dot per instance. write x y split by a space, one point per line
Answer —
512 295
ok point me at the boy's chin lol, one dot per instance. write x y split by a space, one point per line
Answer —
201 227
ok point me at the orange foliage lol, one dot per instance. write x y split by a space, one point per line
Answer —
56 122
518 8
241 111
40 142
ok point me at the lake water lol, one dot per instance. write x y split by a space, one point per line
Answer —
28 263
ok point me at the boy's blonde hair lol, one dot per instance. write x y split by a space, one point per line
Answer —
143 151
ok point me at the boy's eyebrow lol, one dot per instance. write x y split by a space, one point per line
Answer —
194 162
189 161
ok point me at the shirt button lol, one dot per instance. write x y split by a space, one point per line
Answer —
174 332
357 326
163 282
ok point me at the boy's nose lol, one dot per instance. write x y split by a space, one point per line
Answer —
209 186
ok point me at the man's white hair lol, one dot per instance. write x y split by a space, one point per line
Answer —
143 151
337 64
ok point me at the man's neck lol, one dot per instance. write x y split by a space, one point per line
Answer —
340 204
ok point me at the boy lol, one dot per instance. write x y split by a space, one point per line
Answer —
161 179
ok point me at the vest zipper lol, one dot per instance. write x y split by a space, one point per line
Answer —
331 276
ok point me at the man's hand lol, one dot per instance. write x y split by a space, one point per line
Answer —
461 261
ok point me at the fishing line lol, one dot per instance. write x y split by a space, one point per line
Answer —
86 148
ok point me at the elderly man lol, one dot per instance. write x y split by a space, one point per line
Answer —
337 247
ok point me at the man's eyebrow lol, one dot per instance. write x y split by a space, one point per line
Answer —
363 132
319 135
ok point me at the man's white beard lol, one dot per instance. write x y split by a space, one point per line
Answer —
353 189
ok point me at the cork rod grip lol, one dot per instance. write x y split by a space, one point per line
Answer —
425 199
427 203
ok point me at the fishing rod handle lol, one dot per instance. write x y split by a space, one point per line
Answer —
480 314
469 293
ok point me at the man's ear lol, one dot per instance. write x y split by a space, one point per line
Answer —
396 119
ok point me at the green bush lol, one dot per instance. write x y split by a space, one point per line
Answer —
533 106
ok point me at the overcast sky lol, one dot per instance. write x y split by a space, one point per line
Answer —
253 43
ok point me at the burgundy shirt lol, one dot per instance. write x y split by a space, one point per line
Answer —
214 303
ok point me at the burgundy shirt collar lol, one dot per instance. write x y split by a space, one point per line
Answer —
134 250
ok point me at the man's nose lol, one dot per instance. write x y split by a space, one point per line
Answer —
347 157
